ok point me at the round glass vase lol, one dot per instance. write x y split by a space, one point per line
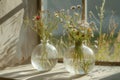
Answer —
44 56
79 59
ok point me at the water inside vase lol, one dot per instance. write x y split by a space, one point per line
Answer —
44 64
79 67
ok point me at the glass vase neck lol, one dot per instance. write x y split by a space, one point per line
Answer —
78 43
44 41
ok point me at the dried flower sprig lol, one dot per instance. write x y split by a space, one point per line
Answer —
45 24
77 29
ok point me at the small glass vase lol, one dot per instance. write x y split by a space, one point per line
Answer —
44 56
79 59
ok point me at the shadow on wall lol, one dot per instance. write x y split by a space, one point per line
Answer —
10 25
11 13
112 77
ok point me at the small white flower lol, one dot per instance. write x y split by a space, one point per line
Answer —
84 24
73 7
78 6
96 41
68 22
56 14
70 26
76 14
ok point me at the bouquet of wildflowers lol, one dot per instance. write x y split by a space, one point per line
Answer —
78 30
44 25
44 55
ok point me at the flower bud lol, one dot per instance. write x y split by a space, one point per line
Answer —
37 17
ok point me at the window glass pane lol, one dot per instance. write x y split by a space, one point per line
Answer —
109 49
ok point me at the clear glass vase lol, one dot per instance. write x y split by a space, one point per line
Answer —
79 60
44 56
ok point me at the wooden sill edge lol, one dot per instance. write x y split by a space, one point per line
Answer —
102 63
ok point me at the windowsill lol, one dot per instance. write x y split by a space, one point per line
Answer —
27 72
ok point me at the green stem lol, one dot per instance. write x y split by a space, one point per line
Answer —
101 21
78 50
78 44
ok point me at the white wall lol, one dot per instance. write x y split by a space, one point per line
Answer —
17 40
